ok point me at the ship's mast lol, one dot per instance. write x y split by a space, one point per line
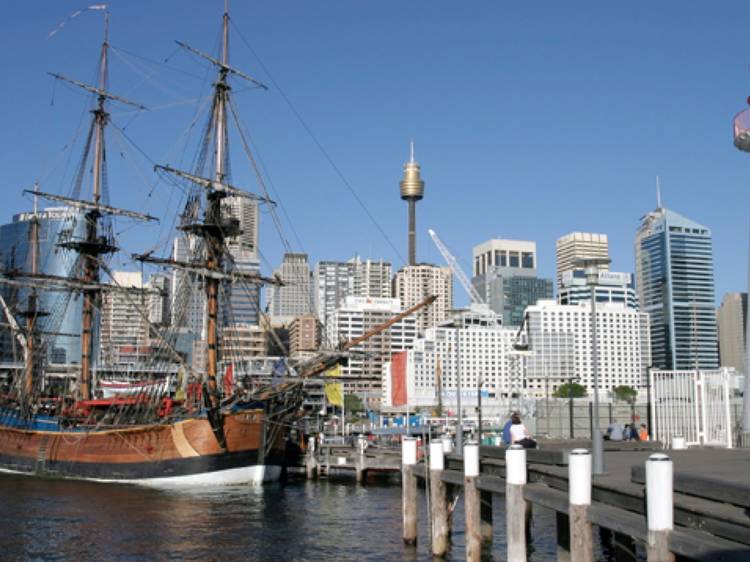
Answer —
215 233
94 245
31 309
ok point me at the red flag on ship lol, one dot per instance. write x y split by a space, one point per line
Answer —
229 380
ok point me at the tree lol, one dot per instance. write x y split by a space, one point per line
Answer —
353 403
625 393
570 390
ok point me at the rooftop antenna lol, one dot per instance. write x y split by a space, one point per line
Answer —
411 150
658 192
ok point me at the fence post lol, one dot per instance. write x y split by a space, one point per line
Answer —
579 493
515 505
659 507
409 489
472 503
438 501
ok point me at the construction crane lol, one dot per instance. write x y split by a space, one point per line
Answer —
477 302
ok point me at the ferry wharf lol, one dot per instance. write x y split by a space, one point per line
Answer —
686 504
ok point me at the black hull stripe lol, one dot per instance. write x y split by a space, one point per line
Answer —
134 471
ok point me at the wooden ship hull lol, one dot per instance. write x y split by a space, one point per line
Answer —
181 453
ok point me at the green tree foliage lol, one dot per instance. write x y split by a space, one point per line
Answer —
353 403
570 390
625 393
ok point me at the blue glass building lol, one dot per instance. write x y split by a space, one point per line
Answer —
63 310
675 283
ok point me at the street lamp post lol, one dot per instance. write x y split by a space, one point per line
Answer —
591 269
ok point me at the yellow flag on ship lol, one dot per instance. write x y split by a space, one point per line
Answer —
180 384
334 390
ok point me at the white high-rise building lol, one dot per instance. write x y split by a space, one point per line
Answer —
243 302
188 295
560 345
294 298
123 328
611 287
414 283
578 246
475 345
354 318
335 280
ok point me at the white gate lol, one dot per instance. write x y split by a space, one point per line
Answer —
693 405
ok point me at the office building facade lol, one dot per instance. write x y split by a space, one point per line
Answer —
412 284
576 246
675 283
612 287
732 322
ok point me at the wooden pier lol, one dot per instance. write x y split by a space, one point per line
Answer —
698 507
360 460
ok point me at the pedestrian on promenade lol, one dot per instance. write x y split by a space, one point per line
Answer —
506 429
519 434
643 433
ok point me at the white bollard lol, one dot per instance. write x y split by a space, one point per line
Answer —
579 477
409 489
439 516
409 451
659 506
437 459
472 503
678 443
515 465
447 444
579 493
311 444
471 459
515 505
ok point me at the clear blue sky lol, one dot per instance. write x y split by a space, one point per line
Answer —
531 120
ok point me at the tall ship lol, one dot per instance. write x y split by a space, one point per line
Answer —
165 422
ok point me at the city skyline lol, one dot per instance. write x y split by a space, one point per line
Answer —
623 120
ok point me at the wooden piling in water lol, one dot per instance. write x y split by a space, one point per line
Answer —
562 528
472 503
579 494
409 489
438 502
659 507
486 516
515 505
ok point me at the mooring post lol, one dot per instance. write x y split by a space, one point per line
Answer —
438 501
409 488
472 503
310 458
562 526
447 441
579 494
486 515
515 505
360 461
659 507
678 443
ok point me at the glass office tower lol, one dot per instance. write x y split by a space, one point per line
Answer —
63 310
675 282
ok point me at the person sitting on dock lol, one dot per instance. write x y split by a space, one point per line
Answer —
519 434
506 429
643 433
614 432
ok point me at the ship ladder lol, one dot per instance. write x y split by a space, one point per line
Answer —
41 455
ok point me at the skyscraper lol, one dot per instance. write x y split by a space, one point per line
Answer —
414 283
732 320
335 280
63 310
294 298
675 283
505 277
244 298
579 246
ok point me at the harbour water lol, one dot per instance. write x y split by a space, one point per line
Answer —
47 519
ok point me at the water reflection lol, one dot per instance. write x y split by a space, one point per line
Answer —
67 520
